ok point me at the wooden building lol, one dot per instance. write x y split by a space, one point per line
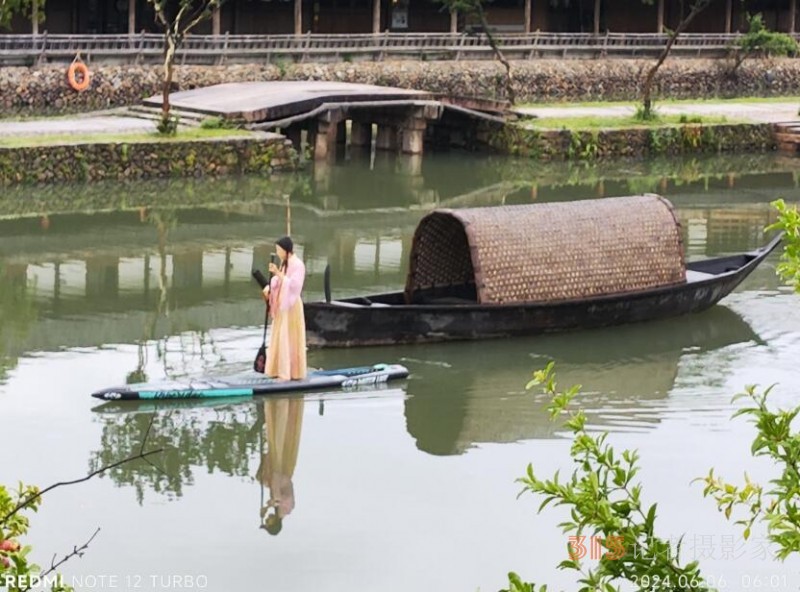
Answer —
250 17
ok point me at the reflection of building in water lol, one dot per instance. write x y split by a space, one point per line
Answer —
101 264
626 375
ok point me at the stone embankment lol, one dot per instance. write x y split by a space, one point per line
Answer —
44 90
119 160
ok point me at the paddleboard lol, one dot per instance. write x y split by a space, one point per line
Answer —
253 383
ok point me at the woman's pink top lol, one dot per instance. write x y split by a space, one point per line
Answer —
292 285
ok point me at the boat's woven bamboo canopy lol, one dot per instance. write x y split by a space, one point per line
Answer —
551 251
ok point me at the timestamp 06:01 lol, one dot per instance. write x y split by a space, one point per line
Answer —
683 582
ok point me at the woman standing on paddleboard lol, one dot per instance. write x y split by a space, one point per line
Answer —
286 354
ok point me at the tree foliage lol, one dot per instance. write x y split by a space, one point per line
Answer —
607 512
23 8
761 42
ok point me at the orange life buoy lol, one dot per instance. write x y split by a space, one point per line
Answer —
78 68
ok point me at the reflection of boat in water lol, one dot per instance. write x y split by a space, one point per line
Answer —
476 394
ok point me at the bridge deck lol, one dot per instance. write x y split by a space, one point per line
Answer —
263 101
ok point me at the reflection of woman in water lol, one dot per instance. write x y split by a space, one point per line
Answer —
283 420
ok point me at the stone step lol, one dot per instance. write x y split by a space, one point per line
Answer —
188 115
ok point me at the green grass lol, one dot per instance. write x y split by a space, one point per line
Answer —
117 138
623 122
719 101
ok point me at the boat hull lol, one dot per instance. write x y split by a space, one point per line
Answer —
331 324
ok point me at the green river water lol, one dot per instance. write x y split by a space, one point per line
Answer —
407 487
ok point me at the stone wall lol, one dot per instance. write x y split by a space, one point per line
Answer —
261 154
668 140
44 90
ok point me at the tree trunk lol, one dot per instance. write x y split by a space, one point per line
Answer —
453 22
169 59
792 15
647 89
660 24
509 82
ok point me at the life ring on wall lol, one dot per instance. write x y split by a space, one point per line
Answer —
75 69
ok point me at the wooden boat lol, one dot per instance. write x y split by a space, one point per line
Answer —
480 273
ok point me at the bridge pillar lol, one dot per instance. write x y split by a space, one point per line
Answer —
324 139
294 134
360 133
325 134
387 137
413 134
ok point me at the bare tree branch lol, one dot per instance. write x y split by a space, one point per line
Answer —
33 498
76 552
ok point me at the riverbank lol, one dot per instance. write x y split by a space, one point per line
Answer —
30 92
121 156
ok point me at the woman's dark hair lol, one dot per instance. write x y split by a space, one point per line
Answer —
287 245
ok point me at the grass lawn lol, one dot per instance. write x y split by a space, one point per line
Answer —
593 122
119 138
665 102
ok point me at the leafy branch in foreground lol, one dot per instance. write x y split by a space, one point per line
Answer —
788 222
778 507
16 573
606 510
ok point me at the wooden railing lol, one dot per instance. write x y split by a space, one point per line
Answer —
210 49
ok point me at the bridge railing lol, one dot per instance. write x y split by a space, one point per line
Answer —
215 49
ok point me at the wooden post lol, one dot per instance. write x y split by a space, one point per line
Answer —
596 17
216 21
298 17
35 17
728 15
527 16
454 21
660 25
131 17
376 16
792 15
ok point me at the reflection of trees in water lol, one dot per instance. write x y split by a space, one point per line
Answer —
191 344
212 435
218 441
17 313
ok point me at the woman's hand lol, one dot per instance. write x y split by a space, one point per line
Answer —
274 269
265 294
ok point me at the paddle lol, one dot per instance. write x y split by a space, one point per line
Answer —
261 356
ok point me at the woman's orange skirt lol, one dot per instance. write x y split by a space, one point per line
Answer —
286 354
